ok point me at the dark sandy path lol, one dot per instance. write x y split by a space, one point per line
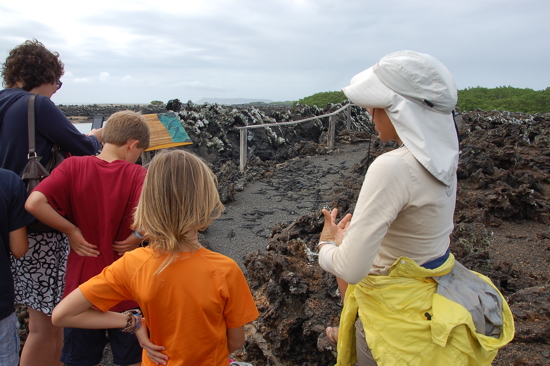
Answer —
298 187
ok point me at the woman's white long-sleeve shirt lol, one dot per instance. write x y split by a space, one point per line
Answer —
402 210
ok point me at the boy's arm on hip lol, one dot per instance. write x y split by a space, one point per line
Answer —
19 242
37 204
130 243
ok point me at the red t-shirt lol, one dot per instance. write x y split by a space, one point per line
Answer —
99 197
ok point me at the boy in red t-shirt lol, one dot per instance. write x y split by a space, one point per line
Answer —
91 200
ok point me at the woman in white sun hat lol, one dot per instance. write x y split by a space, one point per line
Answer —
408 301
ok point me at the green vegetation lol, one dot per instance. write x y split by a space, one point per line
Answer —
286 102
157 102
505 98
324 98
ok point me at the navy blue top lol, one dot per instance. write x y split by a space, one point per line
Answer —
51 125
12 217
433 264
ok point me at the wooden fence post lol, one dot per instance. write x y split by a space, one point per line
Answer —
331 131
243 149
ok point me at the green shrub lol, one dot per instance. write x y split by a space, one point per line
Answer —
505 98
324 98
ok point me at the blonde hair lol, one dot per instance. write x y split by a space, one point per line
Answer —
126 125
179 197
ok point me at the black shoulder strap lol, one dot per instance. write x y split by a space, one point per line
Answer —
32 148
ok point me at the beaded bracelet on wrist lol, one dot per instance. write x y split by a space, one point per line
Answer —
129 322
133 321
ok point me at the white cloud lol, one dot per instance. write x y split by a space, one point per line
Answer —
82 80
104 76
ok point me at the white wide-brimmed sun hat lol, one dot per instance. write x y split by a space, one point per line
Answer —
418 94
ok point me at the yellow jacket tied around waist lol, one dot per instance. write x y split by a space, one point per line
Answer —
406 322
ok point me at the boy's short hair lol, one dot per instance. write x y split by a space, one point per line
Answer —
127 125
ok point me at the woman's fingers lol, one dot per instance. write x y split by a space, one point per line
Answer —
328 216
327 233
331 230
334 214
344 223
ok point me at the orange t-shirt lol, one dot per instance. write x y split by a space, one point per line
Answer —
188 306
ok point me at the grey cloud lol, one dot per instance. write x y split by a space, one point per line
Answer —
283 50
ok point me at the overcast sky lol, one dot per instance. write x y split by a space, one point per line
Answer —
118 51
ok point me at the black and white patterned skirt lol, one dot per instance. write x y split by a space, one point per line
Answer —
39 275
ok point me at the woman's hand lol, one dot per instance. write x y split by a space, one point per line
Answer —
80 245
333 231
153 351
97 132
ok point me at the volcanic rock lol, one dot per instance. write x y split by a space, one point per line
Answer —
501 219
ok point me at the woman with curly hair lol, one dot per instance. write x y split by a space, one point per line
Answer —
31 68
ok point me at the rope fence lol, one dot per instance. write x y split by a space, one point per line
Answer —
243 149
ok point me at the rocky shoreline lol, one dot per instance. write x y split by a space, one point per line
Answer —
89 110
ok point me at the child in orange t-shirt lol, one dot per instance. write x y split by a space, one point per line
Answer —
195 302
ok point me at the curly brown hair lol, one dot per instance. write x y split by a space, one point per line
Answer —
32 64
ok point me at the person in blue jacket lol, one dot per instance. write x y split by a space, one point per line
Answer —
31 68
13 242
